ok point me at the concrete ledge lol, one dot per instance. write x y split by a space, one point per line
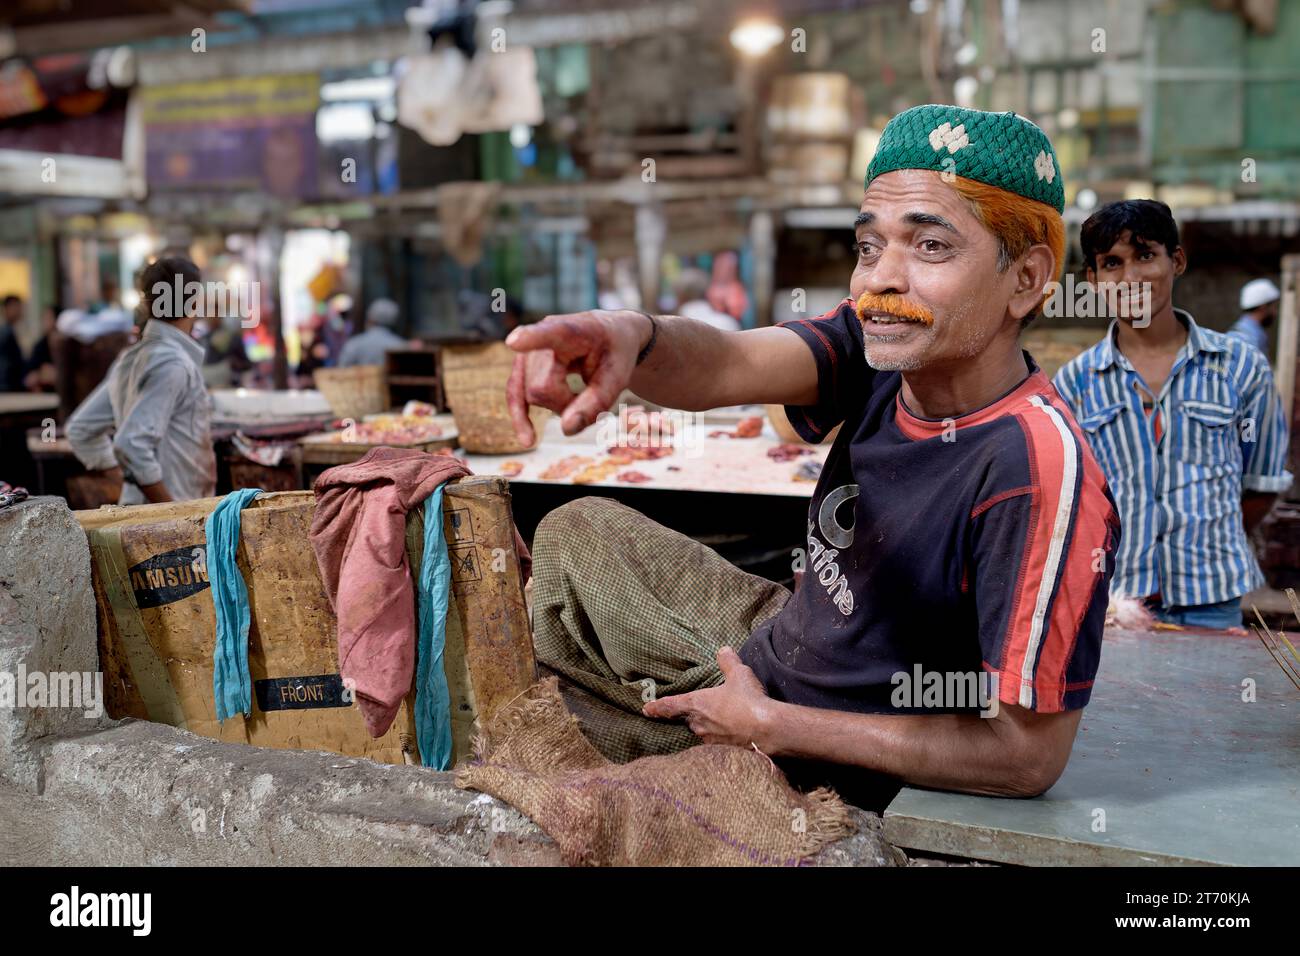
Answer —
165 796
47 634
146 794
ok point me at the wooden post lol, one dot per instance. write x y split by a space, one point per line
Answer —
1288 343
762 244
651 232
270 246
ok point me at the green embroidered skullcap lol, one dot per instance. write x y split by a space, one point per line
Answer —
1000 149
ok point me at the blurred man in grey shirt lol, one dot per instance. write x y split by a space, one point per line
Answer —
147 424
368 348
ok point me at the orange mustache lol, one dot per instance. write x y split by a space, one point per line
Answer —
893 304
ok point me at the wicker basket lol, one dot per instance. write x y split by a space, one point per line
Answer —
785 431
353 392
475 378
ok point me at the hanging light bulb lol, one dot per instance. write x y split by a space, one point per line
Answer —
964 90
755 36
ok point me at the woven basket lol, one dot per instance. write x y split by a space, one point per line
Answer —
353 392
785 431
475 378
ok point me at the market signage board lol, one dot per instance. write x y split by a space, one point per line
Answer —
253 133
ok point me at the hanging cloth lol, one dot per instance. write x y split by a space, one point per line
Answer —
231 686
432 695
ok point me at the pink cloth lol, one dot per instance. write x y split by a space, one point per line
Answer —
359 535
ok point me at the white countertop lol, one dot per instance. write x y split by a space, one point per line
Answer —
728 465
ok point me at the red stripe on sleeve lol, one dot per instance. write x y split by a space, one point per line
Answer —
1090 517
1044 463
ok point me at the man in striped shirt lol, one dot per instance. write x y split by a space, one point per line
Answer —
1186 423
960 532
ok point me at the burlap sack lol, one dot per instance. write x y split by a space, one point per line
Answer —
710 805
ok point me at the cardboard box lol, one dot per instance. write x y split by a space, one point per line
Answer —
157 625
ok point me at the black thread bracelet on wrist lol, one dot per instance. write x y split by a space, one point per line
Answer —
654 334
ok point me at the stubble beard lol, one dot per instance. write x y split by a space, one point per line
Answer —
969 344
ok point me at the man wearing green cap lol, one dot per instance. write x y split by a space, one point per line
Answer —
959 537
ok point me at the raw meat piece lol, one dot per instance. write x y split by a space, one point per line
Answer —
389 430
1129 613
746 428
630 453
597 472
565 467
787 452
640 426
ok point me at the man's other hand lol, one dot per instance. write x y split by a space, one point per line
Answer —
733 713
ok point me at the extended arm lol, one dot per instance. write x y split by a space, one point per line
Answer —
695 366
691 366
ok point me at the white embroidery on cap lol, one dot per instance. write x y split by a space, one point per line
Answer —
1044 167
947 135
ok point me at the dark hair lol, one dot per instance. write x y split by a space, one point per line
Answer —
164 270
1147 221
12 298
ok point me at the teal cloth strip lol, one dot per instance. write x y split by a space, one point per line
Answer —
230 683
432 696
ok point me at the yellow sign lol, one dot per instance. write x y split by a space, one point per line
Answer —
241 97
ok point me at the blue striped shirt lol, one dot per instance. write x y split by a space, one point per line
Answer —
1179 498
1248 330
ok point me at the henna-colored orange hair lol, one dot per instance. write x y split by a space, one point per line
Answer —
1017 222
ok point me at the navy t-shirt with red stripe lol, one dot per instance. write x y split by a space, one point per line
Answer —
978 543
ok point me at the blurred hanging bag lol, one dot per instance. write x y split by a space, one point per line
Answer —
465 213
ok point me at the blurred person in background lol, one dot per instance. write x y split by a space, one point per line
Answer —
40 375
692 289
1259 301
104 317
153 402
224 358
12 364
490 317
368 347
314 350
338 326
1186 423
616 286
726 291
